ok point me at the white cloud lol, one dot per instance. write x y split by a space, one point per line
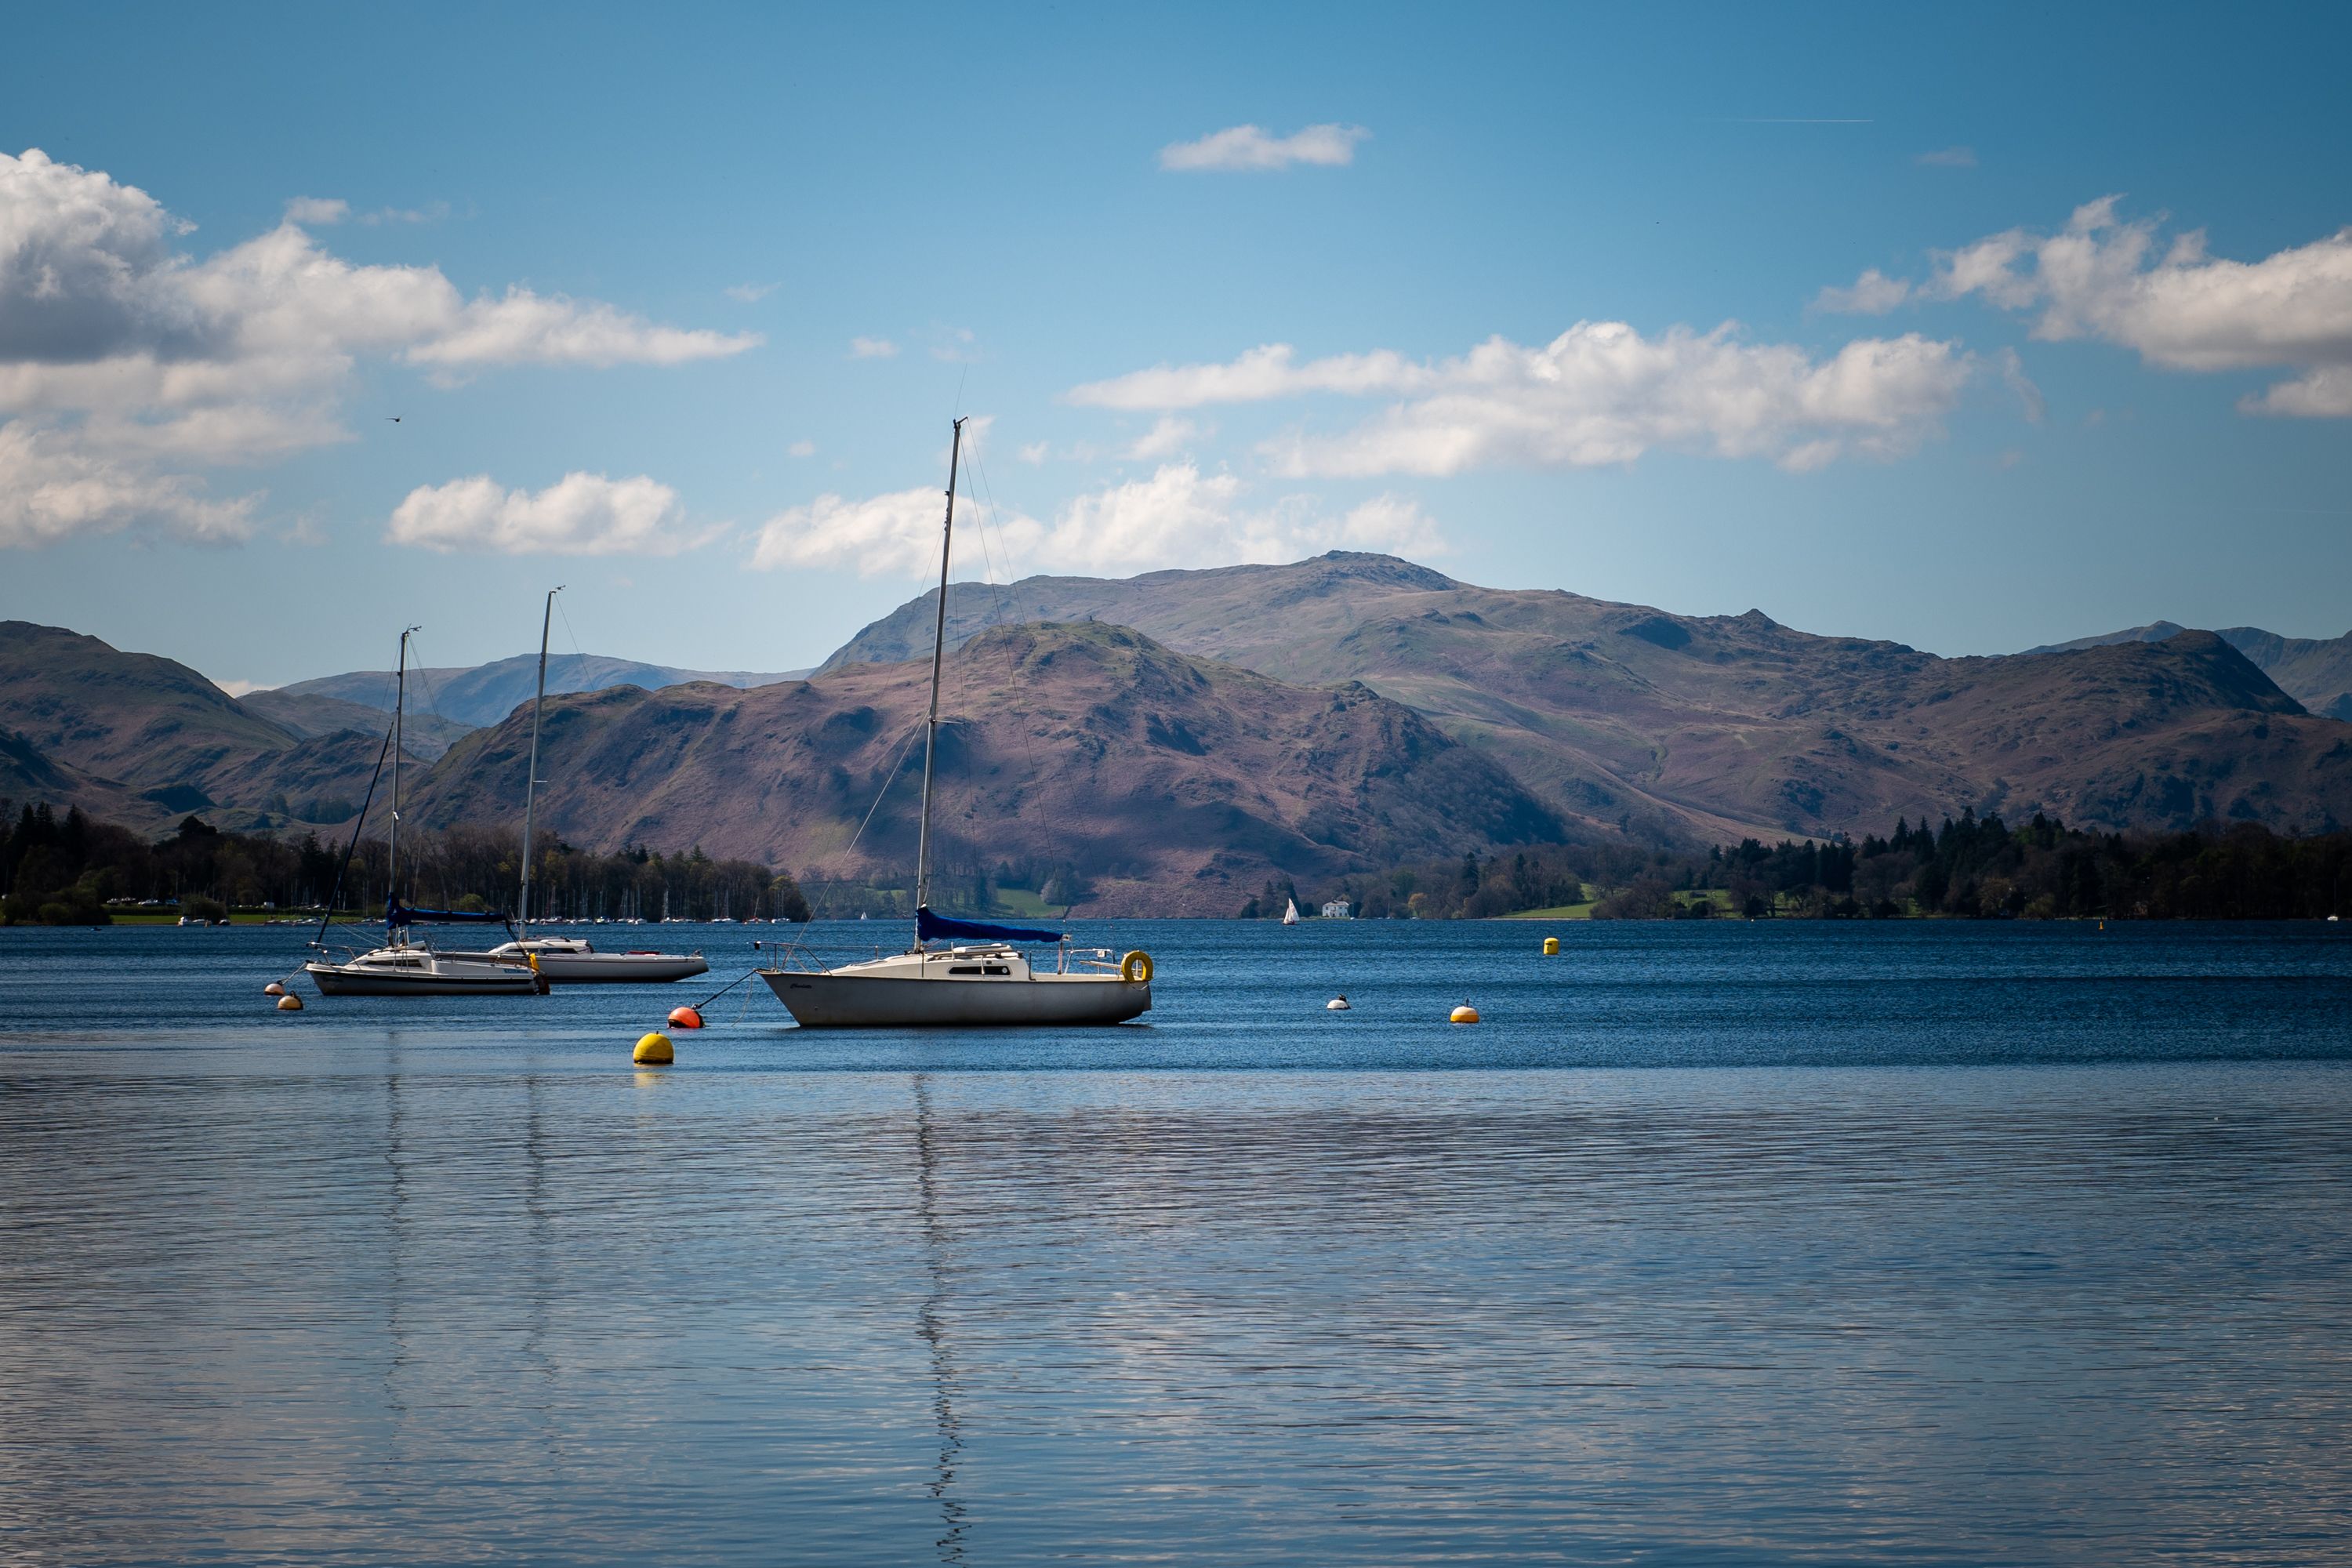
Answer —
2325 394
2102 277
434 213
1177 517
881 536
1034 453
580 514
52 491
1164 439
1263 373
1600 393
872 348
800 450
1248 147
524 328
1873 294
1949 158
131 364
751 293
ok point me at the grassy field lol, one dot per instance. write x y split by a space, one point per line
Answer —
1576 912
1720 897
1020 901
1582 911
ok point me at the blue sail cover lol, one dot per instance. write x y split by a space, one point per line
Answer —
396 913
929 925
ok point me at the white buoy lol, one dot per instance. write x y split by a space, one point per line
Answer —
1336 1004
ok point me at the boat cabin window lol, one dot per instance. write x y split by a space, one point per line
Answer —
963 969
997 969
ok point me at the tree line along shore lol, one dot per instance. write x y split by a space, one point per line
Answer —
75 870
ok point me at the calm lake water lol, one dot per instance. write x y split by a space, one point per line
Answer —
1716 1243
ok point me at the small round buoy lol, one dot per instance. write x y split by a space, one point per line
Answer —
273 989
289 1003
685 1019
1551 947
1466 1013
1336 1004
654 1050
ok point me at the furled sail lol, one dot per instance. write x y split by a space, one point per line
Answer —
396 913
929 925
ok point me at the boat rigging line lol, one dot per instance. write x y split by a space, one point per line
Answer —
327 915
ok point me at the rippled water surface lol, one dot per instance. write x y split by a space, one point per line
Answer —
1715 1244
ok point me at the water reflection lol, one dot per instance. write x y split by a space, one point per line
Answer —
932 1326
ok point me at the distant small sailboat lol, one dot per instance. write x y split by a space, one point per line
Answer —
401 968
1337 1004
571 959
1290 911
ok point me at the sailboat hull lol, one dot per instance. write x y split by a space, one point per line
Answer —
839 1000
603 968
441 980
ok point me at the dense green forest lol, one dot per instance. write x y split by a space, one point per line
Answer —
1977 867
72 870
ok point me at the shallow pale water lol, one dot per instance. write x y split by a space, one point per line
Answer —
1716 1243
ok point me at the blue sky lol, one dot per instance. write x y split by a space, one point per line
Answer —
612 268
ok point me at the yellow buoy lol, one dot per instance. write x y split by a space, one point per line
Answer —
289 1003
654 1050
273 989
1466 1013
1551 947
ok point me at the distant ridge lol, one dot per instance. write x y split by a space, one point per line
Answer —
2314 671
1182 605
143 740
481 694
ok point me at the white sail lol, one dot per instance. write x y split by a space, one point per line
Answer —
1290 911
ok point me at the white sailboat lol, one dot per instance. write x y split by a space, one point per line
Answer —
571 959
400 967
1290 911
962 971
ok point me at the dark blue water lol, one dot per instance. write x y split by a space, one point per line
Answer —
1720 1244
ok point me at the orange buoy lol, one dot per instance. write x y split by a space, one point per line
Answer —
289 1003
273 989
1466 1013
685 1019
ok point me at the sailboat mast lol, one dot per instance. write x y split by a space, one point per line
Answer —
938 651
531 779
399 712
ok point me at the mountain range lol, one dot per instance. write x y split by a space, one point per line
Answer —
1171 784
1177 739
1629 720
